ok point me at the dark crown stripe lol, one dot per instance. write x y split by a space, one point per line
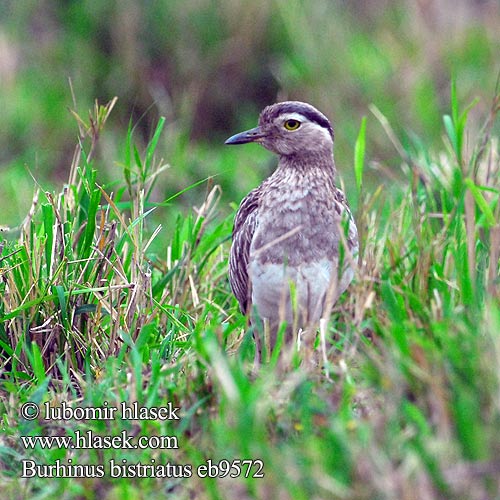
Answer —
305 110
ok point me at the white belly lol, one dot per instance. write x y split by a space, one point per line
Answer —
278 292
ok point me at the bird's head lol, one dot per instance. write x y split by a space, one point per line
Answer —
289 128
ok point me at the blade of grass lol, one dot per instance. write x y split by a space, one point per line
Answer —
359 154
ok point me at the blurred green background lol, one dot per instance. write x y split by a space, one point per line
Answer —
210 66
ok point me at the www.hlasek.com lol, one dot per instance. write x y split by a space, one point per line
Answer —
88 440
120 468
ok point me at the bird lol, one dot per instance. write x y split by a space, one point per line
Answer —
294 241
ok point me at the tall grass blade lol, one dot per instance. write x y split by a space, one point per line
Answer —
359 154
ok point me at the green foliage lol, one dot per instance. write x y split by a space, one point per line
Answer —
359 155
101 306
210 67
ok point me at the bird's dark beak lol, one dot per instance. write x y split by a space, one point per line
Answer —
252 135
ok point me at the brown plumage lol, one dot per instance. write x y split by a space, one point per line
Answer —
289 233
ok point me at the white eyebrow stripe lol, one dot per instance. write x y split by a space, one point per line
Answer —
295 116
301 118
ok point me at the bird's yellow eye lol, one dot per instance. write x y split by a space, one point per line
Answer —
292 124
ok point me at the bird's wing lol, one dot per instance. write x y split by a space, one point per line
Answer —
352 231
245 224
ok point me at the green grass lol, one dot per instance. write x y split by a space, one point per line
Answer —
100 305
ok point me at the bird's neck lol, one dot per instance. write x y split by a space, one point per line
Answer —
308 165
